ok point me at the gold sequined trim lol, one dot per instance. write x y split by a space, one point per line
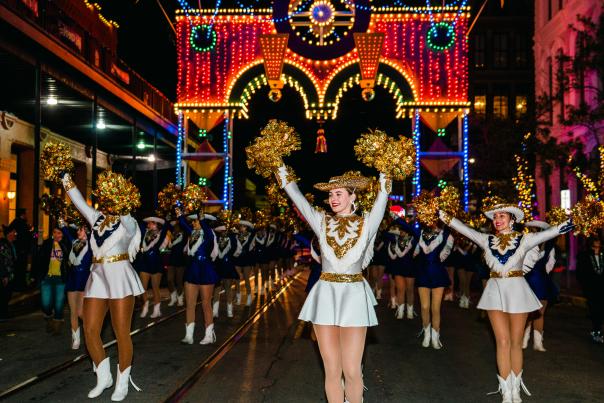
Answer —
111 259
69 184
509 274
447 218
505 240
342 227
108 222
341 278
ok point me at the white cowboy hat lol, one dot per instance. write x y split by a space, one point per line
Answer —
155 220
273 226
209 217
505 208
220 228
394 231
246 223
538 224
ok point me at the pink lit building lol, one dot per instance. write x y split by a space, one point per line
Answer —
554 36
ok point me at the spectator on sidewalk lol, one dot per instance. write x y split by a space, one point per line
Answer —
8 258
590 274
52 274
22 245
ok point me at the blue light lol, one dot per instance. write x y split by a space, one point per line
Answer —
417 187
466 174
225 148
179 149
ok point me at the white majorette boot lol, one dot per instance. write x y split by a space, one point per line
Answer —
518 384
181 300
121 385
400 311
435 337
229 310
238 298
145 310
426 341
538 341
393 304
75 339
189 330
156 311
410 313
210 336
248 302
173 298
505 389
527 336
215 309
104 380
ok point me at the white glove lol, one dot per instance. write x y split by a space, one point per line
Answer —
282 176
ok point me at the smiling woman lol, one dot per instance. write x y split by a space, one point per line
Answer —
341 304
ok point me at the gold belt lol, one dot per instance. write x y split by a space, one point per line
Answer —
111 259
509 274
341 278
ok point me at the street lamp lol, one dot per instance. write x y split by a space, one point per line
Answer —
52 100
101 125
151 158
472 160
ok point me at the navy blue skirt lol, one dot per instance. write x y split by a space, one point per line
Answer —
227 271
542 285
404 268
315 273
77 279
201 272
432 276
150 262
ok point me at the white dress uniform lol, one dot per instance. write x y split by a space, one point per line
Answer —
115 242
341 297
504 254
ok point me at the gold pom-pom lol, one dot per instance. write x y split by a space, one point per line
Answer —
426 207
276 141
262 218
556 216
229 219
73 216
588 216
54 206
167 199
450 201
246 214
194 197
115 194
55 158
276 196
395 158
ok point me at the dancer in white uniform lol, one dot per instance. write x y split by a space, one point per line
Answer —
341 304
112 286
507 297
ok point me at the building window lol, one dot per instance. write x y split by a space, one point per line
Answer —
479 51
500 106
521 51
480 105
500 50
521 106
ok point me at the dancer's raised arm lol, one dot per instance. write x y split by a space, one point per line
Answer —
477 237
89 213
312 215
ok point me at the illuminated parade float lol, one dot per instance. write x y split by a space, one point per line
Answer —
322 49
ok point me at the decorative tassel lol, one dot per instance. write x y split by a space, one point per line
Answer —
321 146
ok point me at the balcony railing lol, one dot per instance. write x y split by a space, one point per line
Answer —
80 26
